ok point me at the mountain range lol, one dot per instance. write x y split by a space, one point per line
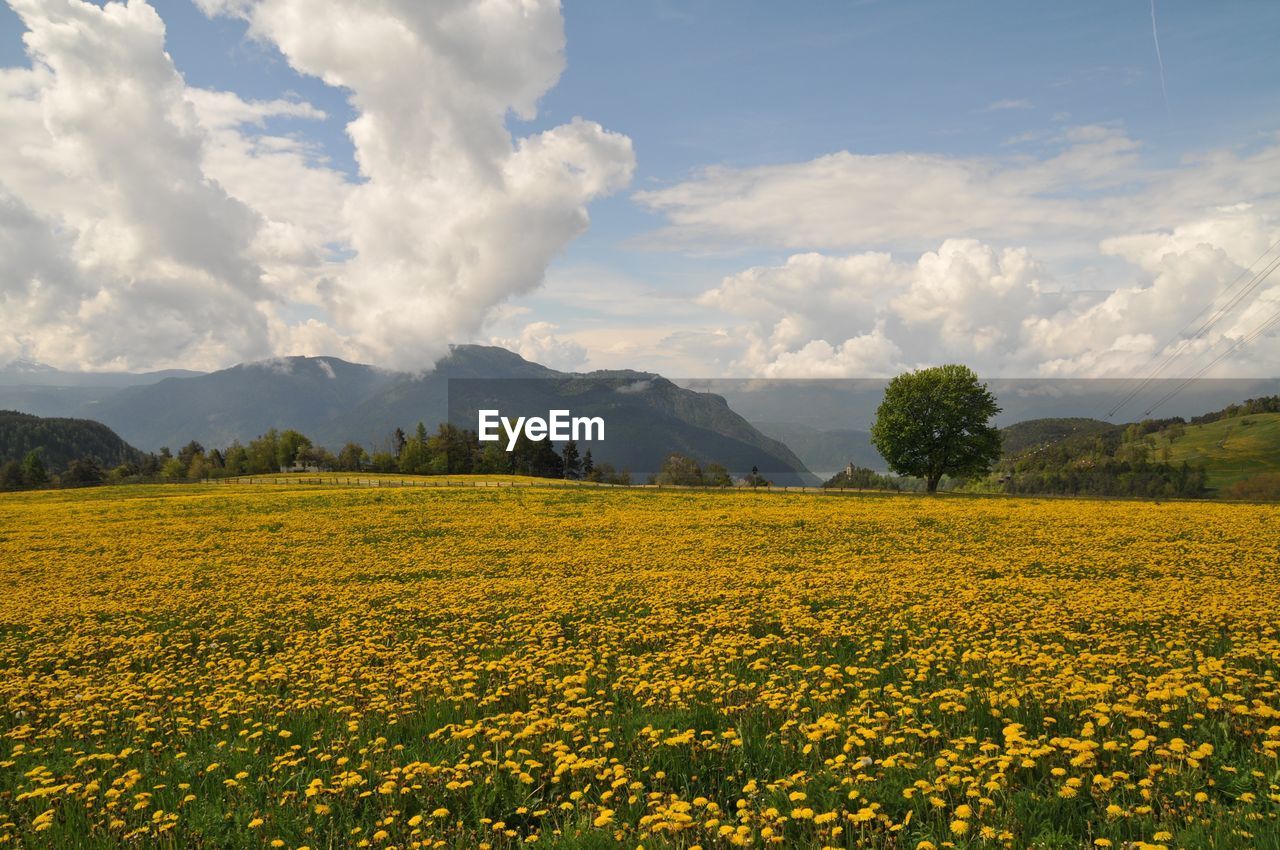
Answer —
334 401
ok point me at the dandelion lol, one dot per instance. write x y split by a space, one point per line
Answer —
578 685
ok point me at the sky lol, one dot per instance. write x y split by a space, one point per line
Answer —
702 189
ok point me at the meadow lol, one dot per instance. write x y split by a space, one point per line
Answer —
1231 449
322 667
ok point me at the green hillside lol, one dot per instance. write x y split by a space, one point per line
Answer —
62 441
1037 433
1230 449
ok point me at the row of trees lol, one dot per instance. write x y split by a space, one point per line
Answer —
457 451
932 424
679 470
1105 476
448 451
32 471
1249 407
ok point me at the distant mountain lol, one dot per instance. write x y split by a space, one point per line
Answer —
37 388
334 401
62 441
402 400
24 372
850 403
826 452
307 393
647 417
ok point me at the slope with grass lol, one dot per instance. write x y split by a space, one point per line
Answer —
1230 449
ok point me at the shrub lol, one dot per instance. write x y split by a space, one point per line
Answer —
1263 487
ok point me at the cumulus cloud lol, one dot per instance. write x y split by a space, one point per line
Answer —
538 342
954 258
134 256
150 223
871 315
453 216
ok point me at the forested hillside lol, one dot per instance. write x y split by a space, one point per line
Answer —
61 441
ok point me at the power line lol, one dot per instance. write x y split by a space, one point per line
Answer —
1169 360
1272 322
1208 324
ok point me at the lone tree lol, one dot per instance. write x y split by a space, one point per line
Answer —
935 422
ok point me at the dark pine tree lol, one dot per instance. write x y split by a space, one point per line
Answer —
570 460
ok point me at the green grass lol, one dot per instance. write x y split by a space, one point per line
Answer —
1230 449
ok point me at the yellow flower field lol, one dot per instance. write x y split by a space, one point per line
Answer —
254 666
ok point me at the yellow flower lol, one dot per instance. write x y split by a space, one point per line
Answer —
43 820
590 648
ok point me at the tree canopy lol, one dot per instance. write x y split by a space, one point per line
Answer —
935 422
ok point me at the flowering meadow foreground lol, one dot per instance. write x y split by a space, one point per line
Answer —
322 667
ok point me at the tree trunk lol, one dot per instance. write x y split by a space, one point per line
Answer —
932 483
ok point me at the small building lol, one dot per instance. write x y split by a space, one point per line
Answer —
299 466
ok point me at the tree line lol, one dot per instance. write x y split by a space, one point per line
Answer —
1248 407
447 451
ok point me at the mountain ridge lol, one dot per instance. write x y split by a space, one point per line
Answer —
335 401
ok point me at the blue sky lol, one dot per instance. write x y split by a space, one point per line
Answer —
715 95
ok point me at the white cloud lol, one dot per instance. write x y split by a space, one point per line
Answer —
538 342
1094 183
1164 240
869 315
152 223
134 256
219 109
454 216
872 353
